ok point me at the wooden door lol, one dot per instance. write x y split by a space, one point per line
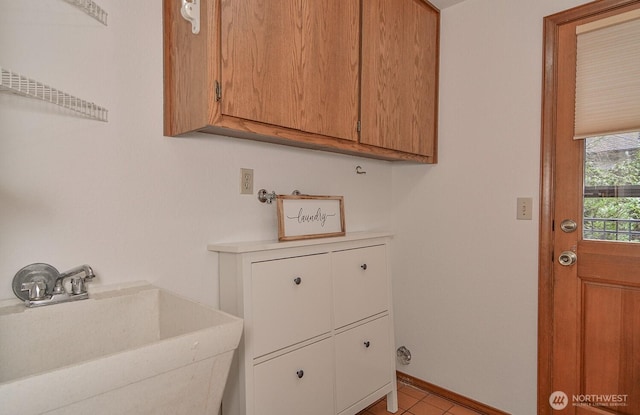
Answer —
399 75
292 63
589 326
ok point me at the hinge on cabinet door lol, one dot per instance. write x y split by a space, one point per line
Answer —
218 91
359 126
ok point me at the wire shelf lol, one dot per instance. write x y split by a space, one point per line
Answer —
90 8
26 87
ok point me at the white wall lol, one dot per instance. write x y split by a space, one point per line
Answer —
118 195
465 270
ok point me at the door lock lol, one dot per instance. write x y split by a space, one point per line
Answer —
567 258
568 226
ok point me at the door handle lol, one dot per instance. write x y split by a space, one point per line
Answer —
567 258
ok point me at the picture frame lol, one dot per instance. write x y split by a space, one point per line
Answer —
309 216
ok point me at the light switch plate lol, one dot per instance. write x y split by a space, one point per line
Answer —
525 208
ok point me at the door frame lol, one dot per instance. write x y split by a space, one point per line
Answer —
547 186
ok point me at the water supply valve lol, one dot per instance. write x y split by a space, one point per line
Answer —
404 355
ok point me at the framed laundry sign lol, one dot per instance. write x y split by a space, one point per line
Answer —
306 217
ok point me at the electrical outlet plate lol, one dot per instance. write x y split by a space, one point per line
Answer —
246 181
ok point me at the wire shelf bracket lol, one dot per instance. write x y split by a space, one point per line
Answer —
26 87
90 8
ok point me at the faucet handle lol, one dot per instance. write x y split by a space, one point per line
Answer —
77 286
37 289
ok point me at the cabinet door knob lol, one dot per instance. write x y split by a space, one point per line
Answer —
300 373
367 344
363 266
297 280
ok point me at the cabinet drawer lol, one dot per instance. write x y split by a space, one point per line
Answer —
359 284
291 301
299 382
363 361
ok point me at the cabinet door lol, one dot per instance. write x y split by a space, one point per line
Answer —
360 284
299 382
292 63
363 361
399 75
291 301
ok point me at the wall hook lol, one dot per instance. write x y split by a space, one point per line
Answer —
359 170
190 10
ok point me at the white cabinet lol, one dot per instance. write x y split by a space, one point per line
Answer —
362 363
318 333
299 382
360 284
295 293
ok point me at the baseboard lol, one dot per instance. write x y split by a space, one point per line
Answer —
449 395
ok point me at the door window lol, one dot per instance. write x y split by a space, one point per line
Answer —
612 188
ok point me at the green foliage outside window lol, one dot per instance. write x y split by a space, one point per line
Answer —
612 169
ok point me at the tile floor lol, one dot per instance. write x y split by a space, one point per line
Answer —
413 401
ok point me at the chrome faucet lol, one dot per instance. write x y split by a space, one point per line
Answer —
41 284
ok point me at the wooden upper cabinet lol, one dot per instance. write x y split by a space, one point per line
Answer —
306 73
400 75
293 64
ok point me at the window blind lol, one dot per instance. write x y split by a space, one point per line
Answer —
608 76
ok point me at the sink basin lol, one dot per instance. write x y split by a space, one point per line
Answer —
134 349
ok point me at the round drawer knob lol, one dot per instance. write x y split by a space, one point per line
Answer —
300 374
363 266
297 280
367 344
